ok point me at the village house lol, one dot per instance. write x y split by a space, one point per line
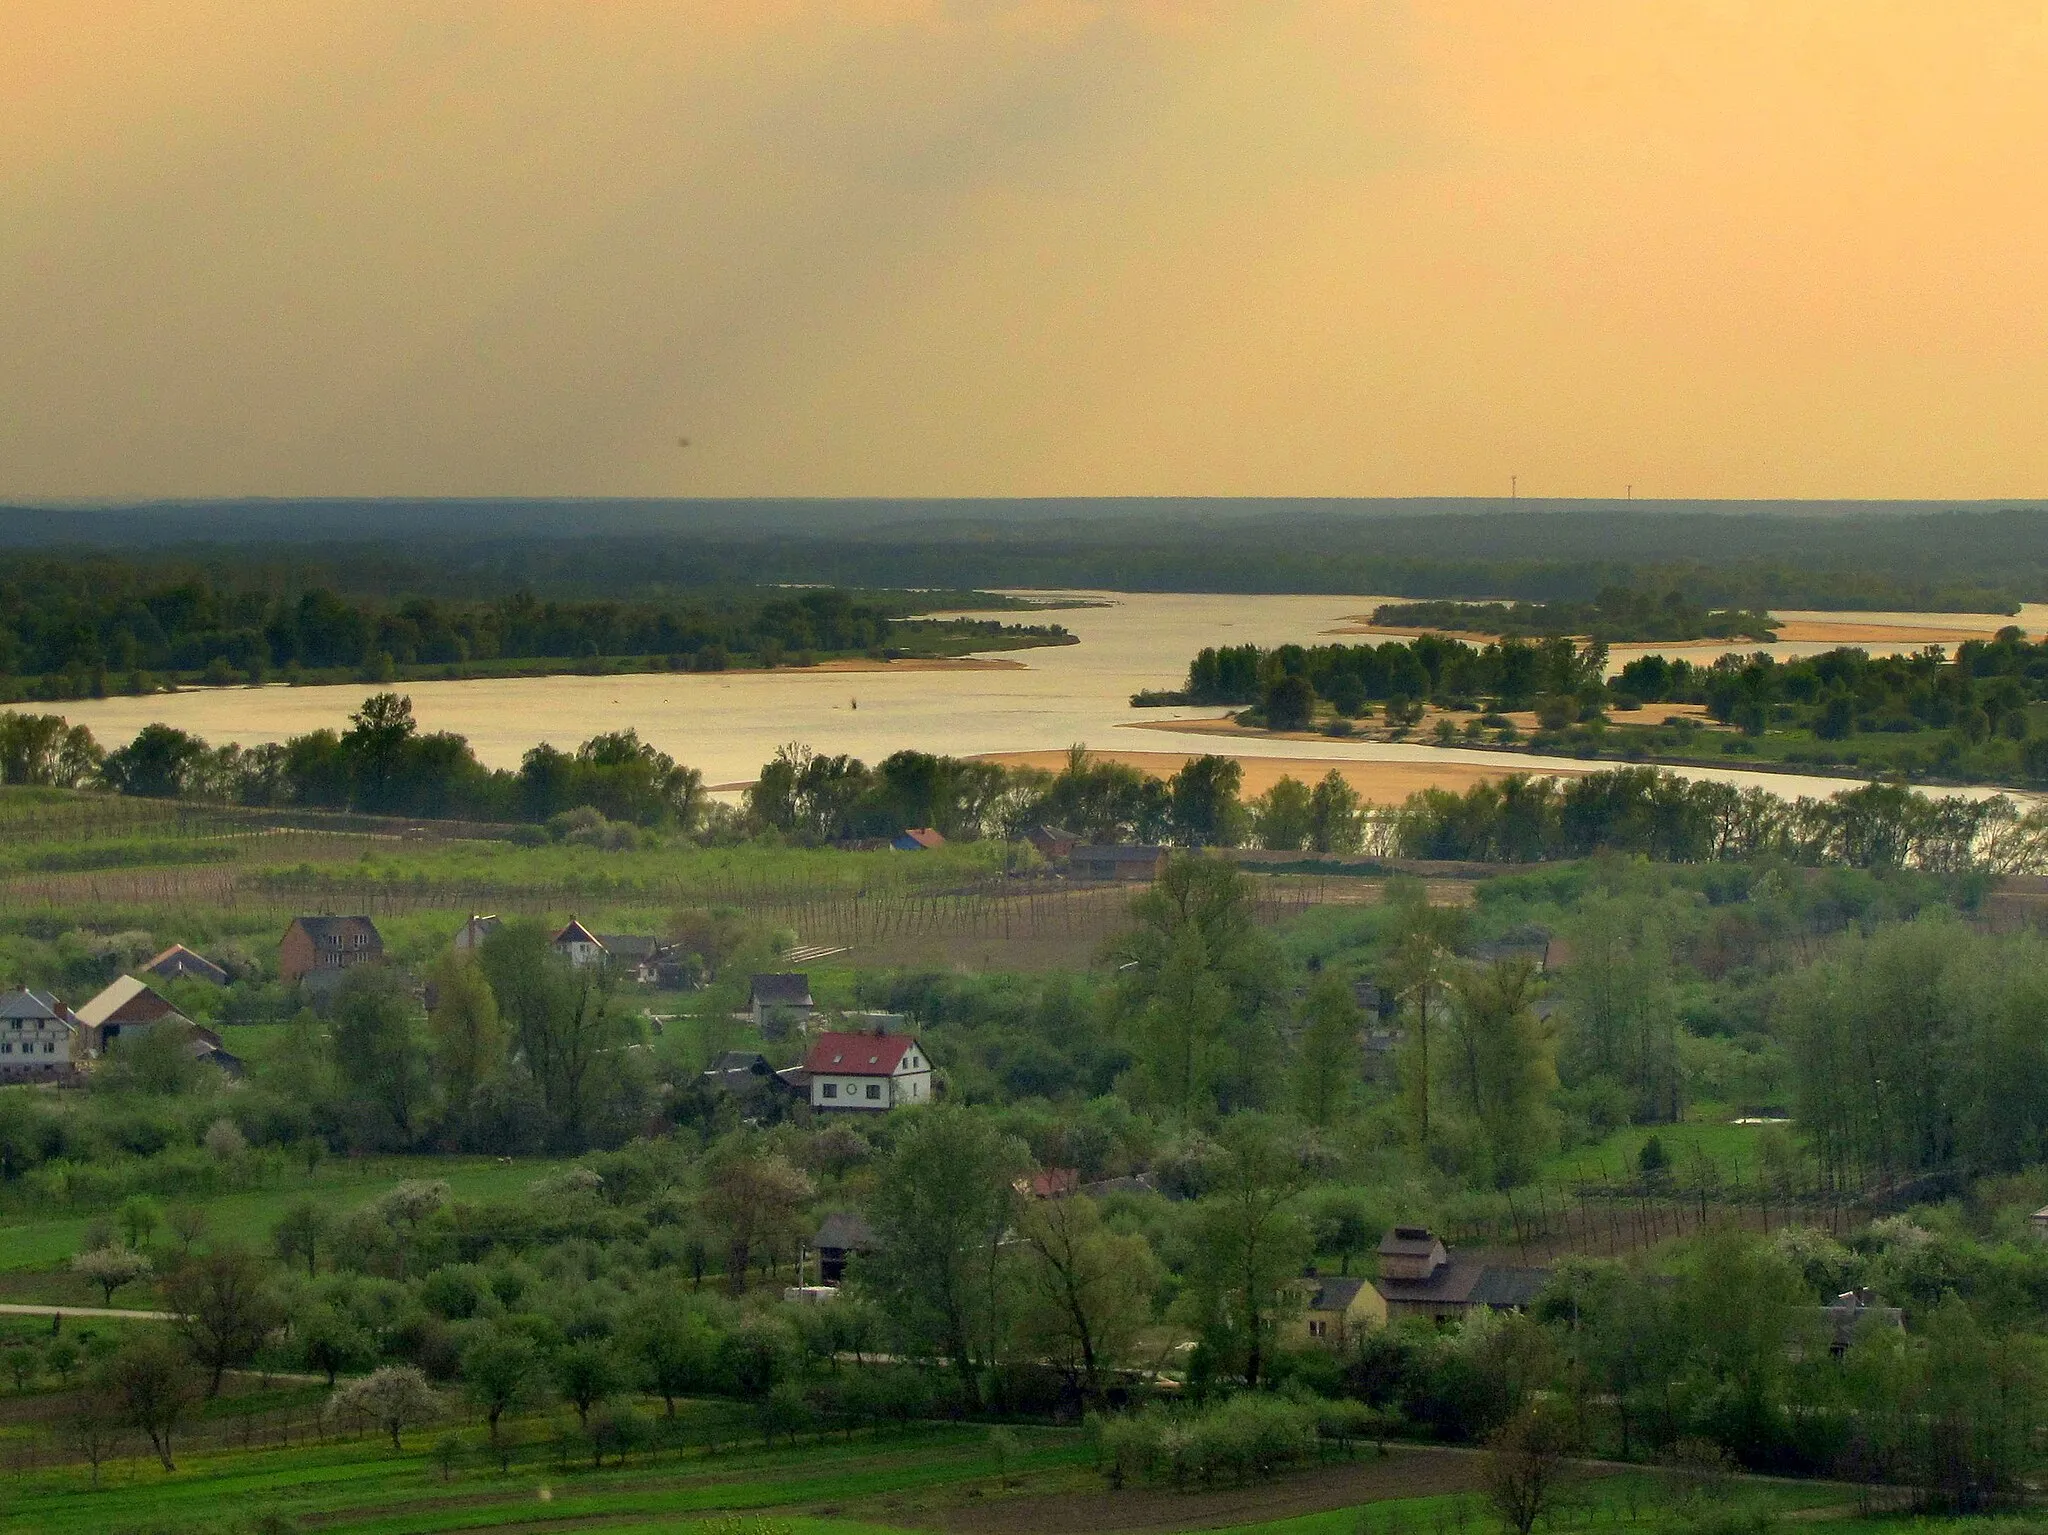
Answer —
39 1038
1053 843
319 949
579 945
178 963
128 1007
867 1073
1117 863
471 935
1420 1278
779 996
635 956
1336 1311
916 839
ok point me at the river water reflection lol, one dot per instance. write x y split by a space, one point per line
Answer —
726 724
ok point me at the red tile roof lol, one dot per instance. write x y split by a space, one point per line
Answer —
857 1055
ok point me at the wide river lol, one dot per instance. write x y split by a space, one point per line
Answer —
727 724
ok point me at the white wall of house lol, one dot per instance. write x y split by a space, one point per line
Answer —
34 1044
907 1085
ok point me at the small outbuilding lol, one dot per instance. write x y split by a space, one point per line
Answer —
842 1236
1118 862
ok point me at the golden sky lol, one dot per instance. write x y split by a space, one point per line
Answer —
1024 247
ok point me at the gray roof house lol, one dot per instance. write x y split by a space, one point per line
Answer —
784 993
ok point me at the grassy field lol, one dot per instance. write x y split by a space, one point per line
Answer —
34 1249
711 1474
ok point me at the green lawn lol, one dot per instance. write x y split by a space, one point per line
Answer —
1729 1147
38 1242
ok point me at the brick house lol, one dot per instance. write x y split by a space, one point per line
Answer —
315 944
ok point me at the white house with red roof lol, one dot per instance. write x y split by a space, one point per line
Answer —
868 1072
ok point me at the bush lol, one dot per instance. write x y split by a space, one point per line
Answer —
1237 1440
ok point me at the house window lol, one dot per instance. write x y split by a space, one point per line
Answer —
6 1047
831 1089
1316 1329
49 1048
874 1089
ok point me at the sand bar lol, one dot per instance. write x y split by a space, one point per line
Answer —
1378 783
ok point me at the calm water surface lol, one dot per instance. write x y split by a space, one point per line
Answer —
727 724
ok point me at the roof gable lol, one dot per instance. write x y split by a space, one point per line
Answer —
576 932
25 1005
178 960
127 1000
320 928
1334 1294
858 1055
784 990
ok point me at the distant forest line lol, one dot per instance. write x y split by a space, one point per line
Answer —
1739 555
77 626
1616 616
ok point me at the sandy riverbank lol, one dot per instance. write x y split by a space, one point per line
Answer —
1792 631
1378 783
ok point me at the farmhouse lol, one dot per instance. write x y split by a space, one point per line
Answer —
785 995
325 946
178 962
867 1072
916 839
38 1038
1420 1278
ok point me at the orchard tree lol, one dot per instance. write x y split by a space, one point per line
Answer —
110 1268
502 1371
395 1398
152 1382
223 1308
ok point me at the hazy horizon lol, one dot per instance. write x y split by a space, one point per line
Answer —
1024 248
